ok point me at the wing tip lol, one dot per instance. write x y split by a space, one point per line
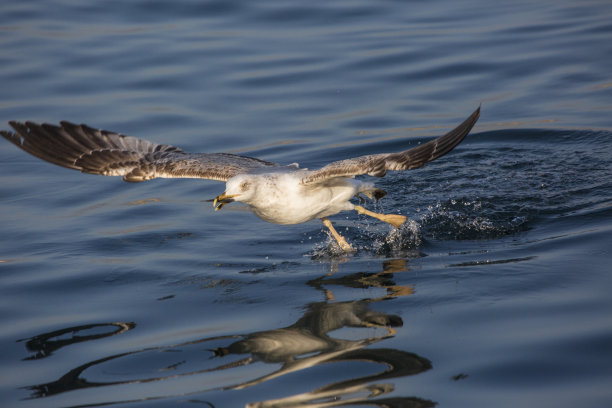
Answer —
476 114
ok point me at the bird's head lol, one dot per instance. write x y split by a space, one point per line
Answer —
238 188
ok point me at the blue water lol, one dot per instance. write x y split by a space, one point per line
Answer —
496 292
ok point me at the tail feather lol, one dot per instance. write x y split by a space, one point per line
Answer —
374 193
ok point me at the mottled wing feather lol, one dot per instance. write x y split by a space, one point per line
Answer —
212 166
111 154
377 165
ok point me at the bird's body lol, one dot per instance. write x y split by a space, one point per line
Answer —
280 197
277 194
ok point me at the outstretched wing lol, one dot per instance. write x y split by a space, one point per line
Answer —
377 165
111 154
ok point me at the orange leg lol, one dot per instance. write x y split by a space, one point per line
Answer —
394 219
339 238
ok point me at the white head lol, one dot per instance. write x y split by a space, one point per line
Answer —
238 188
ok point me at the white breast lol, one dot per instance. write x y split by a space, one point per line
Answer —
282 199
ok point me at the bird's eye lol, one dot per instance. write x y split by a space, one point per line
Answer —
244 186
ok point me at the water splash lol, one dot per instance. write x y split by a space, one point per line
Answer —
465 219
453 219
404 240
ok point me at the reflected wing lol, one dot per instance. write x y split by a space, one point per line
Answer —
111 154
377 165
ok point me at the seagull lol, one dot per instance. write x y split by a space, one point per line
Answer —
277 194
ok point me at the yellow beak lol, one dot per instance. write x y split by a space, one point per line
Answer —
223 199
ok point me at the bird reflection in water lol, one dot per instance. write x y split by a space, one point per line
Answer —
310 335
307 343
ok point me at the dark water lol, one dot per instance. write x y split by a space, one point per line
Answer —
495 293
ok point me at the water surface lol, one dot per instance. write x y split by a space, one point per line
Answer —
495 293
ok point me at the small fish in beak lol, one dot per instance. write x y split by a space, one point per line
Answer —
222 199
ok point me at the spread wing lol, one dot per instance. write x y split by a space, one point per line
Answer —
111 154
377 165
